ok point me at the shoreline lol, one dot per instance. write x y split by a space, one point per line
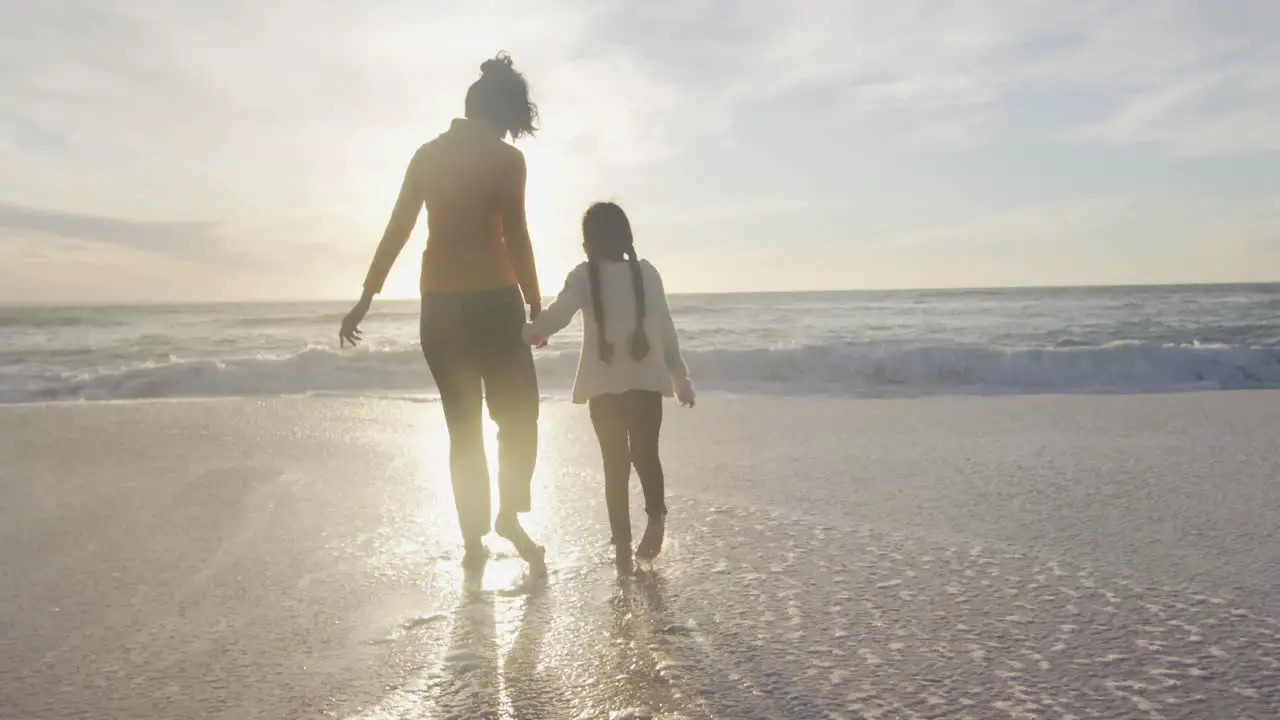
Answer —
347 300
563 396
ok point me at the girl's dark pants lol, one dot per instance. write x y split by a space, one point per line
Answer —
477 356
627 426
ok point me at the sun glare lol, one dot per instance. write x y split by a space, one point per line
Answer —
427 455
551 213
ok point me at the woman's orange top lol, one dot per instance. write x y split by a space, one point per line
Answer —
472 184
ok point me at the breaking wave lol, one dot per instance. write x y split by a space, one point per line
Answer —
859 369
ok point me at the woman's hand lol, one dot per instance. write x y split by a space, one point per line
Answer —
350 330
535 309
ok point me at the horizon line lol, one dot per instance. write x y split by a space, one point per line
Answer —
722 293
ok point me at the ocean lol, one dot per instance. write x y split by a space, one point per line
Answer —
1096 554
872 344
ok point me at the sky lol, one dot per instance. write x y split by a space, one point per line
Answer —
238 150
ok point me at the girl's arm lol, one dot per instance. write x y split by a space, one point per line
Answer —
560 312
670 340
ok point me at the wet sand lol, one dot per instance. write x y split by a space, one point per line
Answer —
1041 557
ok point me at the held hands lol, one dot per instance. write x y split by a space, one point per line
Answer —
685 393
535 340
535 309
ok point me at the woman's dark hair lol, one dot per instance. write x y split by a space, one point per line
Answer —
606 235
501 98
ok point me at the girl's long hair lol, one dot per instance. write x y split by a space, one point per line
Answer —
606 235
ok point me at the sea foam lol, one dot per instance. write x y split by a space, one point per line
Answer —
850 369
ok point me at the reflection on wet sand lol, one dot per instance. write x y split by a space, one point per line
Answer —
530 688
468 683
637 672
581 644
514 654
491 668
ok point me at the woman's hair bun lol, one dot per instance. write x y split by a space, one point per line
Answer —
501 97
499 65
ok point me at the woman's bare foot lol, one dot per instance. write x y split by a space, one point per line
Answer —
651 543
623 561
508 526
474 554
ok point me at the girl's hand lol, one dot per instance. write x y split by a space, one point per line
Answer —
686 394
535 340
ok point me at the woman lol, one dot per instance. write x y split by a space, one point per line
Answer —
477 265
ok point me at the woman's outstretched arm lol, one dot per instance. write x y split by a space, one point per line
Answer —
404 216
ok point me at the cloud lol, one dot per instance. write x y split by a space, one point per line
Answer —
53 235
1024 228
185 240
925 64
194 98
1217 114
268 134
306 112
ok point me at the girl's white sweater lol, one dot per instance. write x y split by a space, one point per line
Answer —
662 369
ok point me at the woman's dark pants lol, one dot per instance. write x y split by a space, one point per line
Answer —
477 356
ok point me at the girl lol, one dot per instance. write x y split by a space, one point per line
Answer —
630 360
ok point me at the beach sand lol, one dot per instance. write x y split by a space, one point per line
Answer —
1038 557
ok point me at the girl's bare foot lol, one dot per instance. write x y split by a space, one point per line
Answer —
651 543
